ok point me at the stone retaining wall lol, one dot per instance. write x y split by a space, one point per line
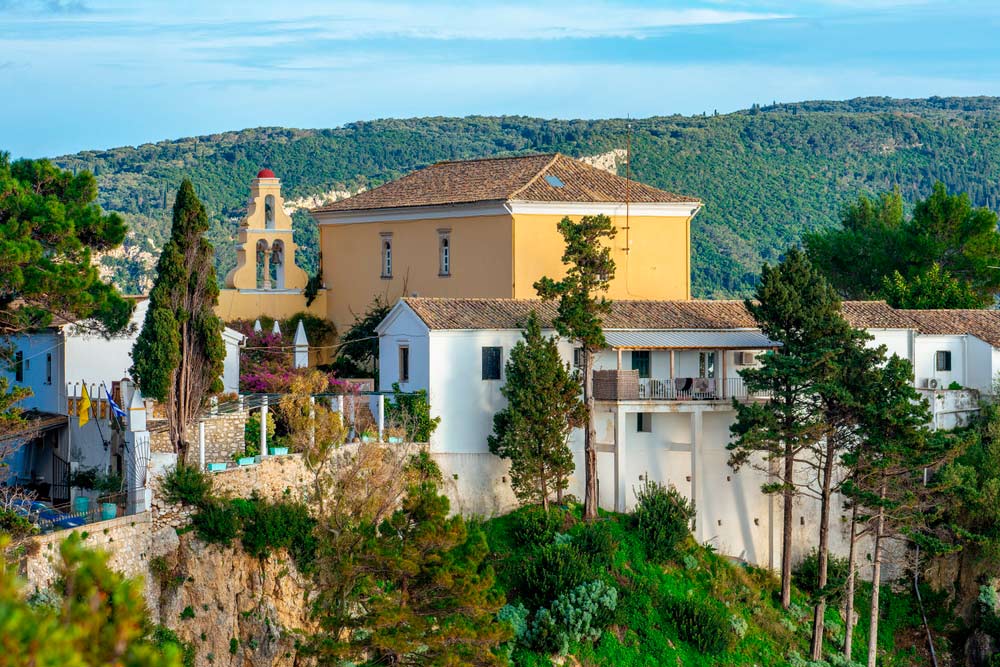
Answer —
224 436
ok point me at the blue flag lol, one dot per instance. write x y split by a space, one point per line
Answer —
116 409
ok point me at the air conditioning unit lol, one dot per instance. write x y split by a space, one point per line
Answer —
932 383
745 358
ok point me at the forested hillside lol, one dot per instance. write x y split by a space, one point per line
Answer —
766 174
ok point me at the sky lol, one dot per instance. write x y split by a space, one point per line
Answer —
96 74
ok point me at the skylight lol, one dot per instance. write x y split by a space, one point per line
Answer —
554 181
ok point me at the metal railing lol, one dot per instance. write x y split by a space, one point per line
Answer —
49 517
696 389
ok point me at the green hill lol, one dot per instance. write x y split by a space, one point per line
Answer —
766 174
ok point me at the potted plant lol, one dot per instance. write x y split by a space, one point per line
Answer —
109 485
216 467
279 448
84 479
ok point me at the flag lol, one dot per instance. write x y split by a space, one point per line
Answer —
83 406
116 409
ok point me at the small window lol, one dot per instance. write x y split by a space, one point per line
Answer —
386 255
491 363
706 364
554 181
640 362
404 363
644 422
444 255
48 368
19 366
578 357
943 360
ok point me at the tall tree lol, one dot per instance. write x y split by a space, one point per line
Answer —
876 242
582 305
543 407
49 229
178 356
798 309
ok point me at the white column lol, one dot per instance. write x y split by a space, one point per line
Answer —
696 438
201 445
621 482
263 427
380 417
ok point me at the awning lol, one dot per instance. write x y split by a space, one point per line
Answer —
35 423
689 340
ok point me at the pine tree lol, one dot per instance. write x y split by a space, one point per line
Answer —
428 599
178 356
543 407
589 272
49 229
798 309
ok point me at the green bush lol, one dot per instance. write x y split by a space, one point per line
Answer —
187 484
251 433
806 574
550 570
535 526
216 523
515 616
701 623
597 542
163 636
187 613
663 517
269 526
579 615
15 525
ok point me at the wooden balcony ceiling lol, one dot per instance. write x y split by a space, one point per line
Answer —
689 340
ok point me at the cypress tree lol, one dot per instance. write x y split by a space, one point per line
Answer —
178 356
589 271
543 406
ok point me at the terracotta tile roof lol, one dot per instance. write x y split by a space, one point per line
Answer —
983 324
520 178
457 313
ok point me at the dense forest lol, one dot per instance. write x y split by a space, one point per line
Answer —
766 174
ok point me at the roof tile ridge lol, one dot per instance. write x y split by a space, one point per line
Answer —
555 158
490 157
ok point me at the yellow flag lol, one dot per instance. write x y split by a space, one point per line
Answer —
83 407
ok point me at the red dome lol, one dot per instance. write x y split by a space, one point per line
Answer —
265 173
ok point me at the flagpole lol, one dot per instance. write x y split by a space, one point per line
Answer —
93 411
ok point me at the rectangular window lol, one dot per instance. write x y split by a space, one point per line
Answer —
404 363
444 253
48 368
19 367
578 357
385 246
706 364
491 363
640 362
943 360
644 422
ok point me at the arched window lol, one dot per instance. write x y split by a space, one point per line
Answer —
386 242
261 269
269 212
278 264
444 254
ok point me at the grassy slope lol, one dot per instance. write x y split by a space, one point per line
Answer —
641 637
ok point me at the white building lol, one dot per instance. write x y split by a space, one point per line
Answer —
54 363
663 390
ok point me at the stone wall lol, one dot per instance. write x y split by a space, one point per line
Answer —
223 437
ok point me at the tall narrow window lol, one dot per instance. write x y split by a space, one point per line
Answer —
491 363
269 212
48 368
19 367
644 422
404 363
386 245
444 253
706 364
640 362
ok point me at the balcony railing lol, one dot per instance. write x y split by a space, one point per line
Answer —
626 385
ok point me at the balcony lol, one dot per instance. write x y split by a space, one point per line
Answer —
626 385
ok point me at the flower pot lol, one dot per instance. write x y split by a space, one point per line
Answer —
216 467
81 505
395 440
246 460
277 451
108 511
366 439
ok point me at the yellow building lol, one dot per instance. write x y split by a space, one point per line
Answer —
487 228
266 280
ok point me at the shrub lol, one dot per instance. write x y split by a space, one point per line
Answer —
535 526
251 433
269 526
663 517
187 613
216 523
550 570
411 412
597 542
578 615
704 625
163 636
187 484
515 616
15 525
83 478
806 574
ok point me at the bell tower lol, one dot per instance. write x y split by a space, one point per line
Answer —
265 254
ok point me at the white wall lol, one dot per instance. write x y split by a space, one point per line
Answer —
979 369
47 396
231 364
404 328
924 350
